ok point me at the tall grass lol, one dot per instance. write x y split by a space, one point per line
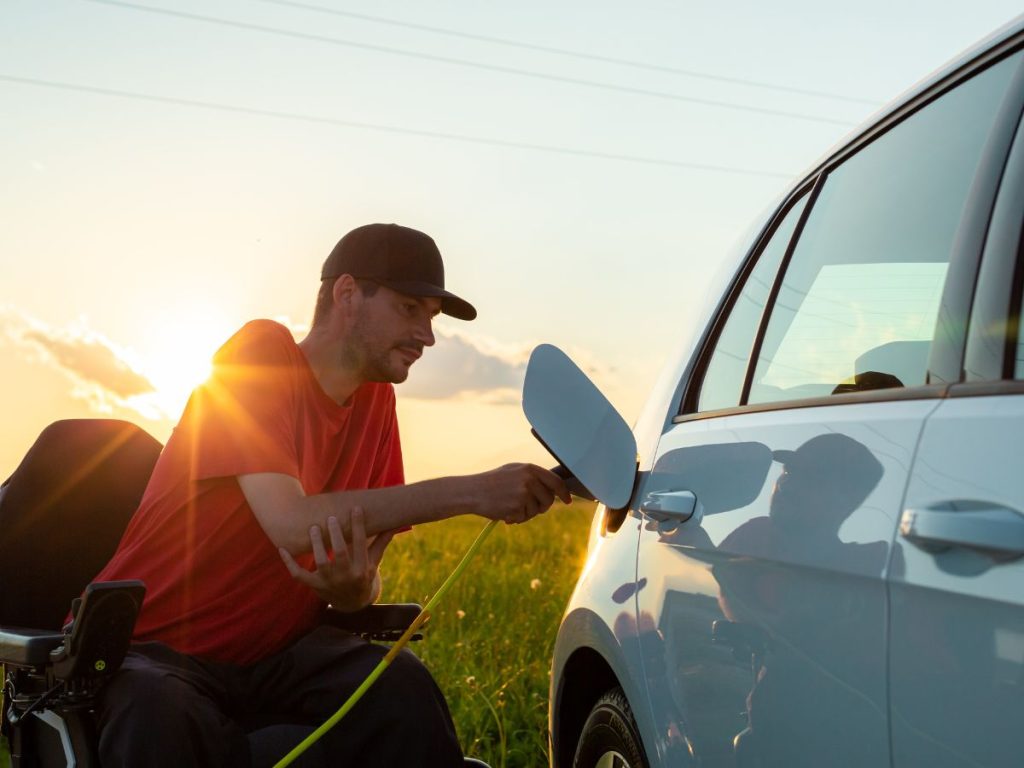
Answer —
489 643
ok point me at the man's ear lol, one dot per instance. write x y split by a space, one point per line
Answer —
345 291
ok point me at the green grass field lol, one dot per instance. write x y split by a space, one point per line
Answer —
489 643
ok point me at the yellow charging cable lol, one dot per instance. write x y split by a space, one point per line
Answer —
384 663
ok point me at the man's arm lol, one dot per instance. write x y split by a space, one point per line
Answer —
351 579
513 493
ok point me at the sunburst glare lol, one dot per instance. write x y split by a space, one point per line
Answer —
177 358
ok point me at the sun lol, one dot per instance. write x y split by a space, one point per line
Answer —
178 356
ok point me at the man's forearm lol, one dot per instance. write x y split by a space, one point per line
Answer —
399 506
286 513
513 493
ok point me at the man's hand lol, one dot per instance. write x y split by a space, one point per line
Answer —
351 580
517 492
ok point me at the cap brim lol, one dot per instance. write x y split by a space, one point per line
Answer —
450 303
783 456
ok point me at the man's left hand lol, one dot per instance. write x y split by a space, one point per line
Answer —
351 580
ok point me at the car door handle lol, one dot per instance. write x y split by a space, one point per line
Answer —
662 506
990 528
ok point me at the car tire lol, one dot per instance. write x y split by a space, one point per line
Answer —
610 738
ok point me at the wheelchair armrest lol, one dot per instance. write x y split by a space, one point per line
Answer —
28 647
101 632
380 621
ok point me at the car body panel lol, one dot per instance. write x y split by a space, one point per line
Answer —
957 646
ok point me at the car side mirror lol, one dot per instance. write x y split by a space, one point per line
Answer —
580 428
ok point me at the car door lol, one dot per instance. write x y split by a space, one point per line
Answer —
957 614
768 517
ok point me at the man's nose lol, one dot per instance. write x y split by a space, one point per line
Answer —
425 333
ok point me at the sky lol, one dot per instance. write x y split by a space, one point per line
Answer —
170 170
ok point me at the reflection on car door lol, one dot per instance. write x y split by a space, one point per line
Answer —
763 617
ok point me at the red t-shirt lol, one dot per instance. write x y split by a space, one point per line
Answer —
215 584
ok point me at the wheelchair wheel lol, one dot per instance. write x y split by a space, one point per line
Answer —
610 738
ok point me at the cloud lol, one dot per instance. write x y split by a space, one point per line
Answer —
460 365
464 366
92 359
98 368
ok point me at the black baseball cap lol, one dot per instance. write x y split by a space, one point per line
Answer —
400 258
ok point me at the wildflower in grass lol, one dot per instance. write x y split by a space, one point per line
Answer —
535 584
460 613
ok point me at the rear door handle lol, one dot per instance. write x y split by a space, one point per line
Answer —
992 529
665 506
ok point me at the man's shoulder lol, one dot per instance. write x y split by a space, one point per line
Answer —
258 341
263 329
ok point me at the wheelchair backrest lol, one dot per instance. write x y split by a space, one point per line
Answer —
63 511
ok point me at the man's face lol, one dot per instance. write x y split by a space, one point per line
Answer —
389 333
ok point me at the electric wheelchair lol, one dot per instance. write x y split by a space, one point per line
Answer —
62 513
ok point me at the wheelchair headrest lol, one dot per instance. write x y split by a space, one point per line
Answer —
62 513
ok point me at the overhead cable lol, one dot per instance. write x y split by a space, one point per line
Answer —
316 119
468 63
573 54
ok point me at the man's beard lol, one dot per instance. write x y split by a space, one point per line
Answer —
374 361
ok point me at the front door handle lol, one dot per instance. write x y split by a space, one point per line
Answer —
664 506
991 529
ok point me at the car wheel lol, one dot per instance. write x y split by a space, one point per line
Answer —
610 738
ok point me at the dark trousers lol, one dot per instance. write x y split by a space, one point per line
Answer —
163 708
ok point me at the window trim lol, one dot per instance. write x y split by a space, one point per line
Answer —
999 142
922 392
987 388
706 348
773 295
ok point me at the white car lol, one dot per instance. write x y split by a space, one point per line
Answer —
820 560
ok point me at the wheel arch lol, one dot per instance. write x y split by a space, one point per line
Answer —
585 677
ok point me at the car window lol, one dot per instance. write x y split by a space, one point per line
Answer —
858 304
727 369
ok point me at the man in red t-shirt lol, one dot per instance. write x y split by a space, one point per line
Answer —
277 495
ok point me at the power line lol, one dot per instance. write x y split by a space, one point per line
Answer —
573 54
315 119
467 63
